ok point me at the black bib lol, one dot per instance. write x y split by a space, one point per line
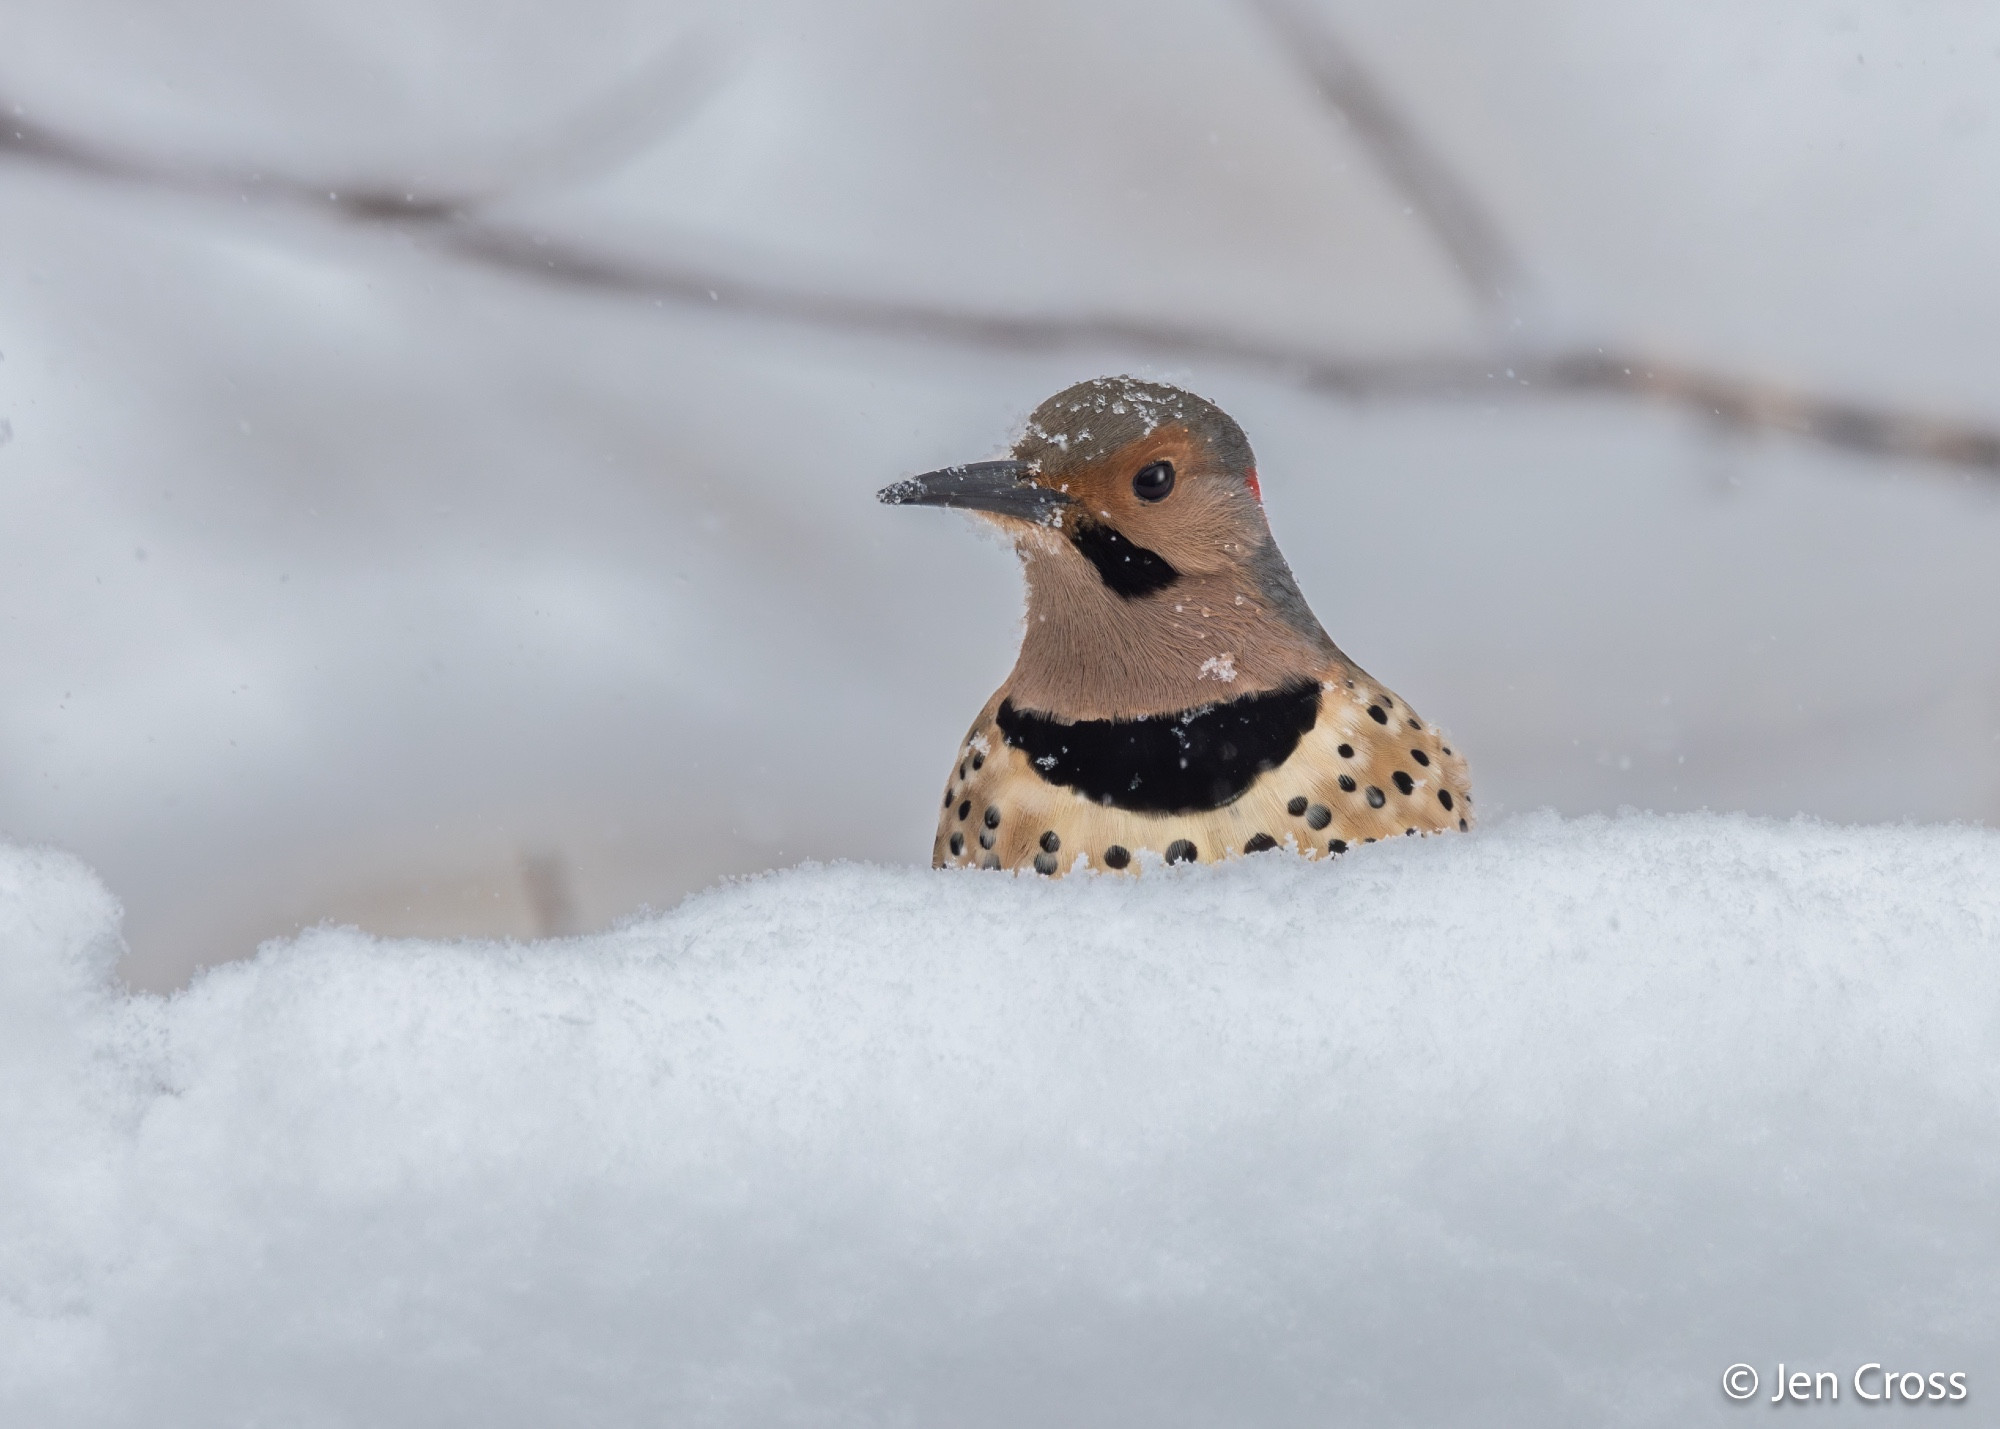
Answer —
1168 763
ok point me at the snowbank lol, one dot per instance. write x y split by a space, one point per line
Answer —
1546 1126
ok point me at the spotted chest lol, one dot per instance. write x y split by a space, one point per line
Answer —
1365 768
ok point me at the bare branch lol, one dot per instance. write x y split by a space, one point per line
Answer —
444 224
1741 404
1748 405
659 94
656 97
1463 227
545 884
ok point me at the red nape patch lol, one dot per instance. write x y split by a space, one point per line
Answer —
1257 491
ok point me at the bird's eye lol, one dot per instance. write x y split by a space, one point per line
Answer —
1154 481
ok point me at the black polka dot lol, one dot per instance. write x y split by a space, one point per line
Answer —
992 860
1389 700
964 808
1182 851
947 798
1368 841
957 843
1347 783
1318 816
1461 826
1337 846
1444 797
1404 783
1447 749
1346 751
1409 832
1375 797
1257 843
1296 806
992 816
1117 856
1051 841
986 838
961 771
1375 713
978 761
1416 723
1421 757
1045 863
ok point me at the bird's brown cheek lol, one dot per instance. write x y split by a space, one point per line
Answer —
1197 552
1202 536
1202 561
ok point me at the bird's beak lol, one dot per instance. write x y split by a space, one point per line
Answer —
1001 487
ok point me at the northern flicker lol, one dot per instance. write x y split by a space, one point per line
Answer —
1174 694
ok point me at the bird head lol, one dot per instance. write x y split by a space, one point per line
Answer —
1145 482
1136 509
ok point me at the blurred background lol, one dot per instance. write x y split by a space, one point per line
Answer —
438 441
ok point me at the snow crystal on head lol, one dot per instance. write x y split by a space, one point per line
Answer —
1083 424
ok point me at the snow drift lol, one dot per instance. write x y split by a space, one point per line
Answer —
1545 1126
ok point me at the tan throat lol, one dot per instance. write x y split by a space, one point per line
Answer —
1089 653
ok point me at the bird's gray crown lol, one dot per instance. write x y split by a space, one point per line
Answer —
1084 424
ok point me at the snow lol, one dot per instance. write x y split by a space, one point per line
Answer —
1544 1126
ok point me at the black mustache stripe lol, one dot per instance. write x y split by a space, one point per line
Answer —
1130 570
